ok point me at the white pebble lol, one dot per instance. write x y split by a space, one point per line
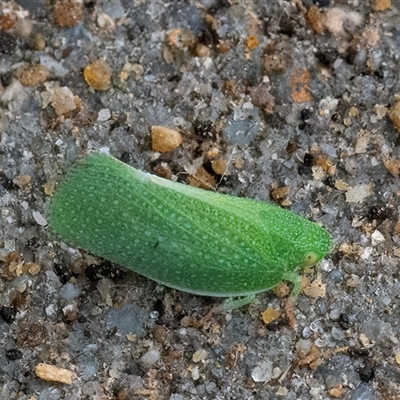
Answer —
263 372
149 358
39 218
104 115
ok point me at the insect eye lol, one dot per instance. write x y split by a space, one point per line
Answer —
310 259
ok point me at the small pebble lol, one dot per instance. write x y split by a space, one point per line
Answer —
303 347
219 166
282 391
160 333
200 355
269 315
393 166
63 100
54 374
68 13
104 115
382 5
394 115
280 193
252 42
149 358
165 139
202 179
263 372
377 238
33 76
195 373
98 75
39 218
23 181
201 50
69 292
39 42
336 392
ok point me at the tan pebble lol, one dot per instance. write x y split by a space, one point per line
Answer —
126 71
394 115
173 37
269 315
380 111
224 46
282 290
33 76
316 289
312 359
7 22
51 373
214 23
137 70
98 75
252 42
286 203
162 170
186 321
393 166
131 337
22 181
38 42
219 166
213 153
105 22
280 193
336 392
370 37
331 170
63 100
335 17
239 163
397 227
299 83
68 13
316 19
324 162
199 355
33 268
282 392
364 340
202 179
165 139
341 185
168 55
232 89
201 50
317 172
354 112
160 333
382 5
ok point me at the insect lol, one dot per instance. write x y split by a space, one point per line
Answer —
183 237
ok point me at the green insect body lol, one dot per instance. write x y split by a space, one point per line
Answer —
183 237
